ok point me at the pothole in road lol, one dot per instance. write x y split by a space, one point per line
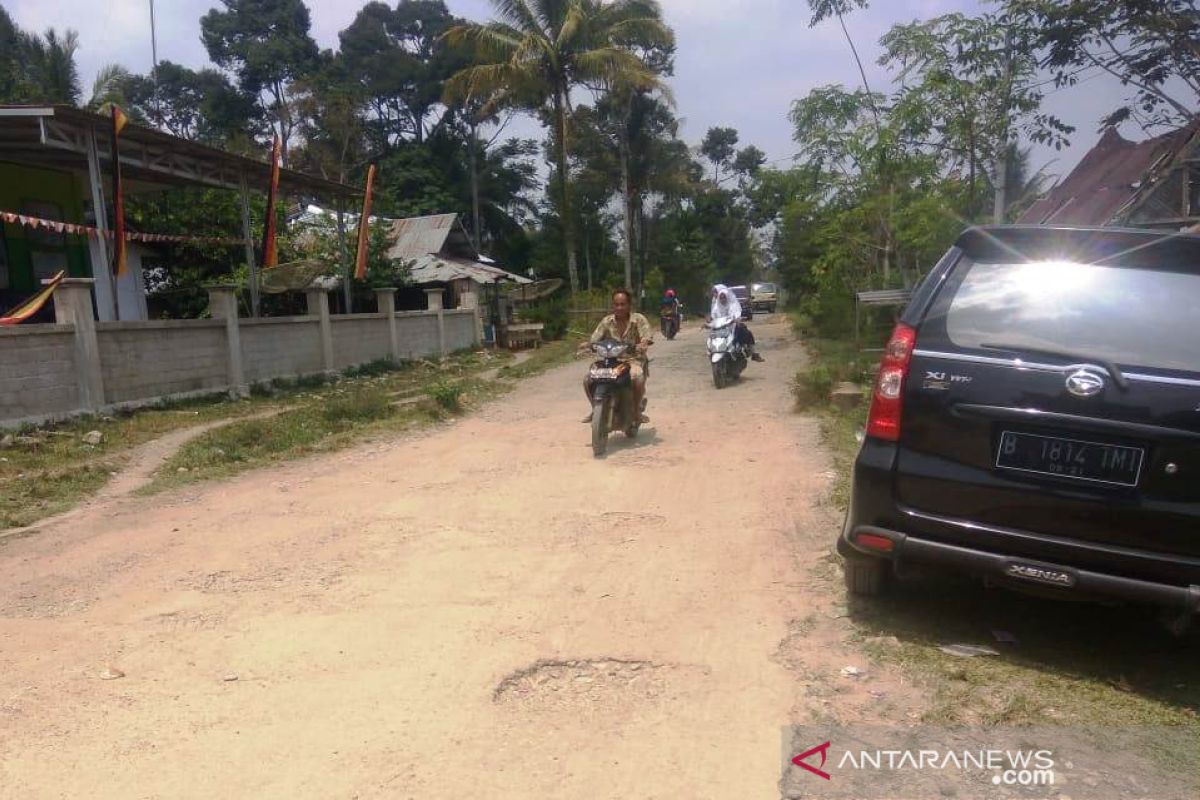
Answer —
591 681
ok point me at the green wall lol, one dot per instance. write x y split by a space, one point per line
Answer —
20 184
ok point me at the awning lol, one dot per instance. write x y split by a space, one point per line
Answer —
59 137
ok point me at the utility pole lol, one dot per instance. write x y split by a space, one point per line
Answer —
1001 202
153 39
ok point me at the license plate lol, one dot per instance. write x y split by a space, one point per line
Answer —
1074 459
604 373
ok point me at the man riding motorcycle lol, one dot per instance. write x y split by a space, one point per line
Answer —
633 329
726 304
668 309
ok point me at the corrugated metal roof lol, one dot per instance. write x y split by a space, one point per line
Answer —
147 154
1111 175
420 236
432 268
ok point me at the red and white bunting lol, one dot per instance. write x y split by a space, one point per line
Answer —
34 223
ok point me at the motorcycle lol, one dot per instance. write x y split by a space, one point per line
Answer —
612 395
669 320
728 357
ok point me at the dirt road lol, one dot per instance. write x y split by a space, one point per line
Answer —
480 611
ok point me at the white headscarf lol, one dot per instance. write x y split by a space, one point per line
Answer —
732 307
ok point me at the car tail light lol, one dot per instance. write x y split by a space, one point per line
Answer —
888 398
872 541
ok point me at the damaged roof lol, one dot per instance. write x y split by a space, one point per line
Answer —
1107 180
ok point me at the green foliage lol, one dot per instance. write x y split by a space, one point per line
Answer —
1149 44
552 313
37 69
266 44
446 395
537 51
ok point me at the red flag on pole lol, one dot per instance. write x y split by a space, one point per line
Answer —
119 266
270 254
364 228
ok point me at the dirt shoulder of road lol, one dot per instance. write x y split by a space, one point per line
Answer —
52 470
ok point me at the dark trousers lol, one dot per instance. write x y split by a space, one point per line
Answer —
742 334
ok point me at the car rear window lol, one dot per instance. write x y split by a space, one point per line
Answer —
766 287
738 291
1132 317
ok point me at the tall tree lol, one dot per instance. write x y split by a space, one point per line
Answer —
266 43
537 51
970 89
1152 46
398 56
719 147
201 105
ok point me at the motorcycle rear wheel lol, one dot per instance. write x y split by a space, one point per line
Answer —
599 427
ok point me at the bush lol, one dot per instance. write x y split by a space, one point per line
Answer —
552 313
371 369
446 395
812 386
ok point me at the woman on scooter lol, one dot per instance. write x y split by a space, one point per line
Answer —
726 304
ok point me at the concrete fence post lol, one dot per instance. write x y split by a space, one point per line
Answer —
385 301
318 306
470 302
73 306
223 304
434 299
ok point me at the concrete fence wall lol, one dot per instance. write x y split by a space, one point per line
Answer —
140 360
79 365
37 371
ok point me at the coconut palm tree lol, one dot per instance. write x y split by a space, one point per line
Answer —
109 88
536 51
52 62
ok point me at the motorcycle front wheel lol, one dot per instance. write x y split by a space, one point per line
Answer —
719 374
599 427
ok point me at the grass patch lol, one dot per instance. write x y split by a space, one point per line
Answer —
446 395
543 359
1076 664
49 469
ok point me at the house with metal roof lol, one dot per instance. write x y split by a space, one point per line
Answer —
55 188
1154 183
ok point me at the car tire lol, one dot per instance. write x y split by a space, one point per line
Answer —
865 576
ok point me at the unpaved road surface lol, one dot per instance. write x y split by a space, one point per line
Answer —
483 610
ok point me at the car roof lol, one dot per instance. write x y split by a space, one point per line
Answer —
1130 247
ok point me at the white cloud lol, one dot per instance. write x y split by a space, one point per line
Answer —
740 63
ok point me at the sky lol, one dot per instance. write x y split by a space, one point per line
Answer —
740 63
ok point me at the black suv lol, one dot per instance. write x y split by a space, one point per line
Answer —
1036 420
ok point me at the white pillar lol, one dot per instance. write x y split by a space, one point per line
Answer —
222 304
73 306
434 300
318 306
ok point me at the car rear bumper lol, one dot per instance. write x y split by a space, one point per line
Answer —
1019 572
1020 559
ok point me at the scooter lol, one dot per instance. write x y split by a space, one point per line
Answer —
669 320
612 395
728 357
